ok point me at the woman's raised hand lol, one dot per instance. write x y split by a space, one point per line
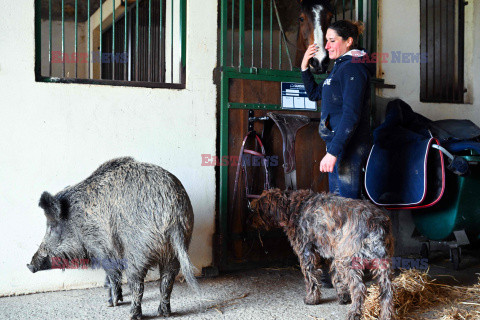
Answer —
310 53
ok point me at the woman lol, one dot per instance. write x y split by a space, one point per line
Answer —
345 116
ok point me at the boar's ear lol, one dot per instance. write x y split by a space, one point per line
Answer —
50 205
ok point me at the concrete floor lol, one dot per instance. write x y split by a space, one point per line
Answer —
256 294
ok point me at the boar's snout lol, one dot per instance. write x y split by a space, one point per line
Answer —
39 263
32 268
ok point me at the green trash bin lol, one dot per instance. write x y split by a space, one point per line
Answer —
457 211
459 208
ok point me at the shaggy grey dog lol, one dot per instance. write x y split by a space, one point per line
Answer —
134 215
354 234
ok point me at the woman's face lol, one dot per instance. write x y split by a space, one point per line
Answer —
336 46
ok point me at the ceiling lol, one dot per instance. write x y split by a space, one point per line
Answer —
69 6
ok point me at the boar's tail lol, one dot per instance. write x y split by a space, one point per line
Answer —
178 242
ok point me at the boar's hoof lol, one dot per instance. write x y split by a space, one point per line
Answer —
119 295
113 303
136 313
164 310
117 300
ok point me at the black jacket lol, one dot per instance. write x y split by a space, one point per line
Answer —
345 96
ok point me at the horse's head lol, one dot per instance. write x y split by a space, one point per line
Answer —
314 20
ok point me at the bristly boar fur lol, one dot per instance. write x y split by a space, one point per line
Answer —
127 211
324 226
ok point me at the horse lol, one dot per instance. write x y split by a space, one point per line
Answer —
314 20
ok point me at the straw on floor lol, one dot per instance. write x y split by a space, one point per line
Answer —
418 296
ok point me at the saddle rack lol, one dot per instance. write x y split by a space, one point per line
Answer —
288 124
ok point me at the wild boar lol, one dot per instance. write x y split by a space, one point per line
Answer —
127 211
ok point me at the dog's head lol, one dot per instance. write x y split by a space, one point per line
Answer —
269 211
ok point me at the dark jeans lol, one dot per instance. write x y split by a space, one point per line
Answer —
347 177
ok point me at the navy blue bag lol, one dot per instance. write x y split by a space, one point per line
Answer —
409 177
405 169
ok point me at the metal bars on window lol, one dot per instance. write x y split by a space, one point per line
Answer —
361 10
367 12
116 42
442 24
261 34
255 37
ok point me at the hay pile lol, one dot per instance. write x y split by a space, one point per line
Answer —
415 293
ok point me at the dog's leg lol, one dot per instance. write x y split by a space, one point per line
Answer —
358 291
386 294
340 282
309 261
382 247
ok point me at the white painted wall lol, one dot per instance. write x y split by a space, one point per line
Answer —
54 135
400 31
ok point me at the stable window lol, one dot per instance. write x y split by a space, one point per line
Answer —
260 35
442 27
114 42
